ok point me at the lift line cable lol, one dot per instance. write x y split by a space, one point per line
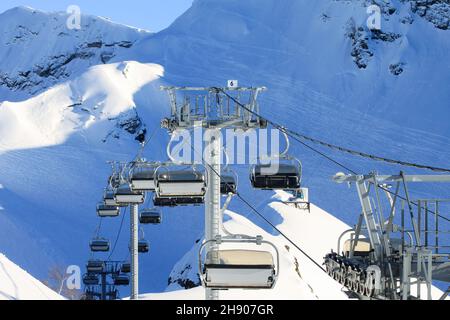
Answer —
293 135
118 235
145 143
262 216
279 231
98 229
332 146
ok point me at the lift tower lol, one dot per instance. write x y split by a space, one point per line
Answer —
212 109
387 255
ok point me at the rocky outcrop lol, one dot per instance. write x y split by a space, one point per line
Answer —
435 11
361 52
129 122
56 68
183 280
397 68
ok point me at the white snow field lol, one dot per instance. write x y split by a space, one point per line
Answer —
17 284
70 100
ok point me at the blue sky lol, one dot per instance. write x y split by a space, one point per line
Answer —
153 15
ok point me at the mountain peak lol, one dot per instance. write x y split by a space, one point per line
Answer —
19 10
58 51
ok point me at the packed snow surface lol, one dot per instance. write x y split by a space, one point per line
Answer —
17 284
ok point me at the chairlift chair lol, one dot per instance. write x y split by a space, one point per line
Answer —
121 280
178 201
181 183
143 246
238 268
143 176
95 266
176 186
125 195
282 172
125 268
105 211
90 279
110 200
150 216
280 176
99 245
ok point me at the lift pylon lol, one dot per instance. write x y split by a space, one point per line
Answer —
210 108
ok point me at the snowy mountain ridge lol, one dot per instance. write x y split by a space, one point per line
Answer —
38 50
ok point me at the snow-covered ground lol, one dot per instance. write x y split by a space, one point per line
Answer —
17 284
82 97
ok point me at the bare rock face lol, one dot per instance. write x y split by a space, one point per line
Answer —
397 68
361 52
184 278
38 50
435 11
384 36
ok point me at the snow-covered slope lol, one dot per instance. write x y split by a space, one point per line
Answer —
302 51
38 50
83 97
17 284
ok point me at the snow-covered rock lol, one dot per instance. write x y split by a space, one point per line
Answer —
38 50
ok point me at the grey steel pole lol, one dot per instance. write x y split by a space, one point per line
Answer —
212 205
134 252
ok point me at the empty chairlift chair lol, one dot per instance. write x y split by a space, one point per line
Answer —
95 266
125 268
239 269
143 246
180 187
143 176
124 195
99 245
121 280
110 200
280 176
90 279
105 211
150 216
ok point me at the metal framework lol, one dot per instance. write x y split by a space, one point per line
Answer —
105 289
416 258
210 108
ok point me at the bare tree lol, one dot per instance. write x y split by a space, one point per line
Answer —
57 281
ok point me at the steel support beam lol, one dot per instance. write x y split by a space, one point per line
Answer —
134 252
212 206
